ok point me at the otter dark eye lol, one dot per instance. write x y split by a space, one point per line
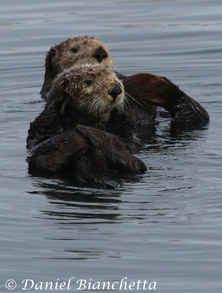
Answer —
74 50
88 82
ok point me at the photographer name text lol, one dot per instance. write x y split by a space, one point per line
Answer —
82 285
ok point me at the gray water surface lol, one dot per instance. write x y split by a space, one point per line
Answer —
166 226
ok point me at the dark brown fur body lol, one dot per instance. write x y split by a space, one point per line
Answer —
96 157
60 146
150 90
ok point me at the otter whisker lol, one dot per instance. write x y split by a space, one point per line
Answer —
121 106
93 105
126 102
100 105
87 103
130 97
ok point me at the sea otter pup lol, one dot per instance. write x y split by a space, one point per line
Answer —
68 137
77 50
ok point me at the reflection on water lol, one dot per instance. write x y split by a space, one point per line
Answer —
165 225
75 205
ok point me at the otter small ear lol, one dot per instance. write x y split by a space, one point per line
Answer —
65 83
49 61
52 52
50 71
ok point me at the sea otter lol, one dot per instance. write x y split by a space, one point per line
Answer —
83 94
145 91
78 50
70 135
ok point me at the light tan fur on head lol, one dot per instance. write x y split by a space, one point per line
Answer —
79 50
94 89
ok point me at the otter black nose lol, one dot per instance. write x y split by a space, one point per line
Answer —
115 91
100 54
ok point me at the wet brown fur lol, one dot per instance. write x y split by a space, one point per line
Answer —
61 139
151 90
72 101
147 90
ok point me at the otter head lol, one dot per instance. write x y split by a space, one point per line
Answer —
79 50
92 90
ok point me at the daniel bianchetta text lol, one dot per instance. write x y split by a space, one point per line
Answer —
74 284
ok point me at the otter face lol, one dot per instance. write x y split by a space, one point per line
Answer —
79 50
93 88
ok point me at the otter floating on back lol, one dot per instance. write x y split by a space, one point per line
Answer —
68 137
147 91
62 139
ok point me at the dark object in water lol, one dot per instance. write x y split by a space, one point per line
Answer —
148 89
97 157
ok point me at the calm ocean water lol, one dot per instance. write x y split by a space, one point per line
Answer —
166 227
